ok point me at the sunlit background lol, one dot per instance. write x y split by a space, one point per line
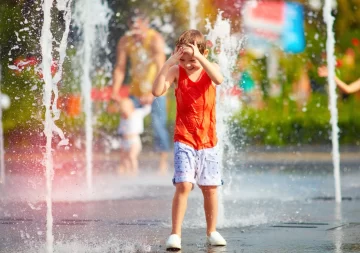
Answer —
275 129
280 83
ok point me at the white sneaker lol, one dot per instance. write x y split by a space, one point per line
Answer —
173 242
215 239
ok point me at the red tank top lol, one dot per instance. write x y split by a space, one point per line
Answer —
195 111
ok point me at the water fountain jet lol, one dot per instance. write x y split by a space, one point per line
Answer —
226 50
92 19
192 11
330 45
2 151
50 97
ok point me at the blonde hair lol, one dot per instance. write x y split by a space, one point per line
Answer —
189 37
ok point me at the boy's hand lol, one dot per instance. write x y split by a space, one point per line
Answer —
323 71
175 56
192 50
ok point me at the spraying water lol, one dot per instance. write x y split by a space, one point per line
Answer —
193 19
46 48
2 151
51 111
330 45
225 52
92 18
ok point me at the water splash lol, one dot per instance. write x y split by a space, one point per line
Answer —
46 48
226 50
2 151
92 18
50 96
76 244
330 45
193 14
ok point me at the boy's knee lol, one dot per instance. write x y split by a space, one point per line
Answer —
208 188
184 187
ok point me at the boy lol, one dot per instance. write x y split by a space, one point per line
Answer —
196 157
130 128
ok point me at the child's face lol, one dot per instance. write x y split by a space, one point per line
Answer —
188 62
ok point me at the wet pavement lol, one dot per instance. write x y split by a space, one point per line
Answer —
267 205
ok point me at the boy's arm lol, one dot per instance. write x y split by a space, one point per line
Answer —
168 73
348 88
212 69
119 70
164 79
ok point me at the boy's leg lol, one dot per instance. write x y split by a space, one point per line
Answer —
208 179
184 165
210 207
179 205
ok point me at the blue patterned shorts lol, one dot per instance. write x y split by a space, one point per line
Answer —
197 166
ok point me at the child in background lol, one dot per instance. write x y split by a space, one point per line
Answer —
130 128
196 156
346 88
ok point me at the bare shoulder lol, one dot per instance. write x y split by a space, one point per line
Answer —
158 36
158 40
174 70
122 42
121 52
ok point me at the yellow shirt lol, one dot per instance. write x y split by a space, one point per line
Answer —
143 69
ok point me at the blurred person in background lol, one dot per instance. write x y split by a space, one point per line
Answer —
130 128
143 48
346 88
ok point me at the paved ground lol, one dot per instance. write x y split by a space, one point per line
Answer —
139 226
287 208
